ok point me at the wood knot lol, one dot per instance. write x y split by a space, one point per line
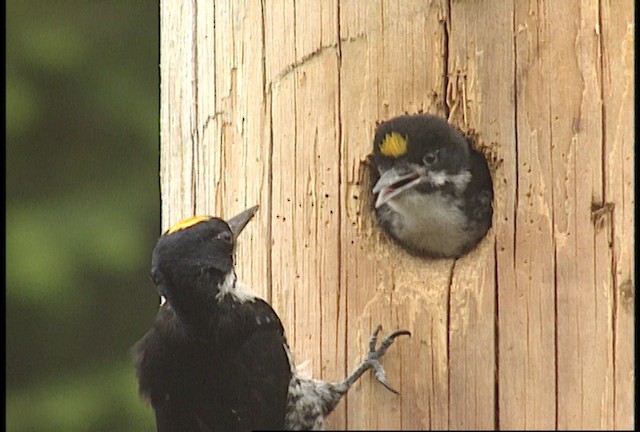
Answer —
599 212
626 294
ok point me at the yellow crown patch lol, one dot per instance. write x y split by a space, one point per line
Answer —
186 223
393 145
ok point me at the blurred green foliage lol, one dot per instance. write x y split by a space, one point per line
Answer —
82 104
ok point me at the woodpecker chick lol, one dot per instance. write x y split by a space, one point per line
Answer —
433 192
216 357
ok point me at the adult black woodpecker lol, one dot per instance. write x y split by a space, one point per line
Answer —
433 192
216 357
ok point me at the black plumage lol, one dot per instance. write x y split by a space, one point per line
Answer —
215 357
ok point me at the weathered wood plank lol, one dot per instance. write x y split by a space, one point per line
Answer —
584 294
392 61
527 347
617 44
481 98
240 130
177 111
304 91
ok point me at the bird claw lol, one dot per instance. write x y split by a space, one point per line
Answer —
374 355
381 376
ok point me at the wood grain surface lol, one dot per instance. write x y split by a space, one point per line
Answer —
275 103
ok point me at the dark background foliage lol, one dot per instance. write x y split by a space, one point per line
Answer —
82 103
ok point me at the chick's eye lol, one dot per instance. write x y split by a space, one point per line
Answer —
225 236
430 158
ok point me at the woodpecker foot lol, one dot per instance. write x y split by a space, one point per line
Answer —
372 361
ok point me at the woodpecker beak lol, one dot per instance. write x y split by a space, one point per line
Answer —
392 183
239 221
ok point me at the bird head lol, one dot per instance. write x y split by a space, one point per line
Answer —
193 256
420 153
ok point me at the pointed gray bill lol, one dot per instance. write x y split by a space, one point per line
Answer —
239 221
392 183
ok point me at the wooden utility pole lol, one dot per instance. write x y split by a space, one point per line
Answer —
275 103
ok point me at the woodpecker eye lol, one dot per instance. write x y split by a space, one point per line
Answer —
430 158
225 236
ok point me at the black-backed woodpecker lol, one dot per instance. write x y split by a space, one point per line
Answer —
433 192
216 357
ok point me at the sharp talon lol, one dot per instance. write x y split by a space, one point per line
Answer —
375 354
372 361
374 338
391 389
386 342
397 333
381 376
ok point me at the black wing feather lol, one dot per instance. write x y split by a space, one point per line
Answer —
234 380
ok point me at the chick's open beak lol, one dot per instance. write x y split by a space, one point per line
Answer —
392 183
239 221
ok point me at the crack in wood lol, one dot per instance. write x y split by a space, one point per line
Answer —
335 47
